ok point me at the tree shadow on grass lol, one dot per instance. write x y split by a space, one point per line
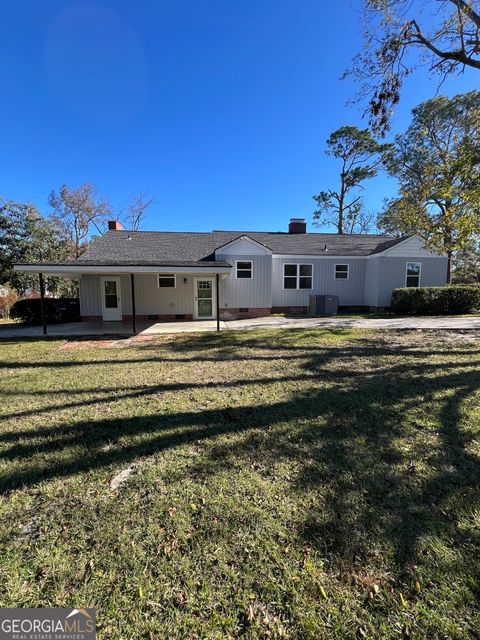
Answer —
353 433
108 395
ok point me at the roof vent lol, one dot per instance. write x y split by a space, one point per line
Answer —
114 225
297 225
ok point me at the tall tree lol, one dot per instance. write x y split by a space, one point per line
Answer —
360 156
401 36
466 263
437 165
135 212
79 212
15 230
47 243
26 236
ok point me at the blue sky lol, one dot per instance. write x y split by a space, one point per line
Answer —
218 109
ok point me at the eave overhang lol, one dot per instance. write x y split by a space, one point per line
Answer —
74 270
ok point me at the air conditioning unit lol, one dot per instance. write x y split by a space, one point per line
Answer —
323 306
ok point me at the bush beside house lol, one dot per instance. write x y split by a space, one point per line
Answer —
8 297
56 310
436 301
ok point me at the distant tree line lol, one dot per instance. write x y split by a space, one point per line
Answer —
74 217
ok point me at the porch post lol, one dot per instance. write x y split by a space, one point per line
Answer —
217 299
132 283
42 304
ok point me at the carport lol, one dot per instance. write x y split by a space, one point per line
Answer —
208 273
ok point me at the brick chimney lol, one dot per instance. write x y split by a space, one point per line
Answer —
297 225
113 225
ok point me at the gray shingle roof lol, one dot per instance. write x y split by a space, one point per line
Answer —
175 248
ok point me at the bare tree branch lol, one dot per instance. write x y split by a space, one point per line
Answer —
397 43
135 212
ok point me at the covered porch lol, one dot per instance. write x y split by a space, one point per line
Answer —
118 299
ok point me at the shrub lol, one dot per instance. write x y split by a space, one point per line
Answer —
433 301
56 310
8 297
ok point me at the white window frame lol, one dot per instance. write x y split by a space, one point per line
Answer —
341 264
236 269
419 273
297 265
167 275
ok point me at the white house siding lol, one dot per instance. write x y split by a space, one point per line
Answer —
90 301
412 247
255 293
149 298
350 292
370 283
392 274
372 275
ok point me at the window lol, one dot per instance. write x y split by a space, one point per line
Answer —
244 269
412 278
341 272
305 276
166 281
297 276
290 276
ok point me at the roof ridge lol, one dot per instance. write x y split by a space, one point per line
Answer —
204 233
283 233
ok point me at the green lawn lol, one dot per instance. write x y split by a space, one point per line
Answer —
286 484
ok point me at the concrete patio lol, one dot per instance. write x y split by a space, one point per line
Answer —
85 329
76 329
352 322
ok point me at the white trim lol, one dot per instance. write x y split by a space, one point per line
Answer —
419 273
106 311
195 299
341 264
242 238
251 269
298 265
134 269
166 275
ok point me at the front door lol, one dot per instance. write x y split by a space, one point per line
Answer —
111 299
205 301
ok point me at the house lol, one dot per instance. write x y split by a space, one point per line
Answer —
238 274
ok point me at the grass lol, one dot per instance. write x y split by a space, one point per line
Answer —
285 484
